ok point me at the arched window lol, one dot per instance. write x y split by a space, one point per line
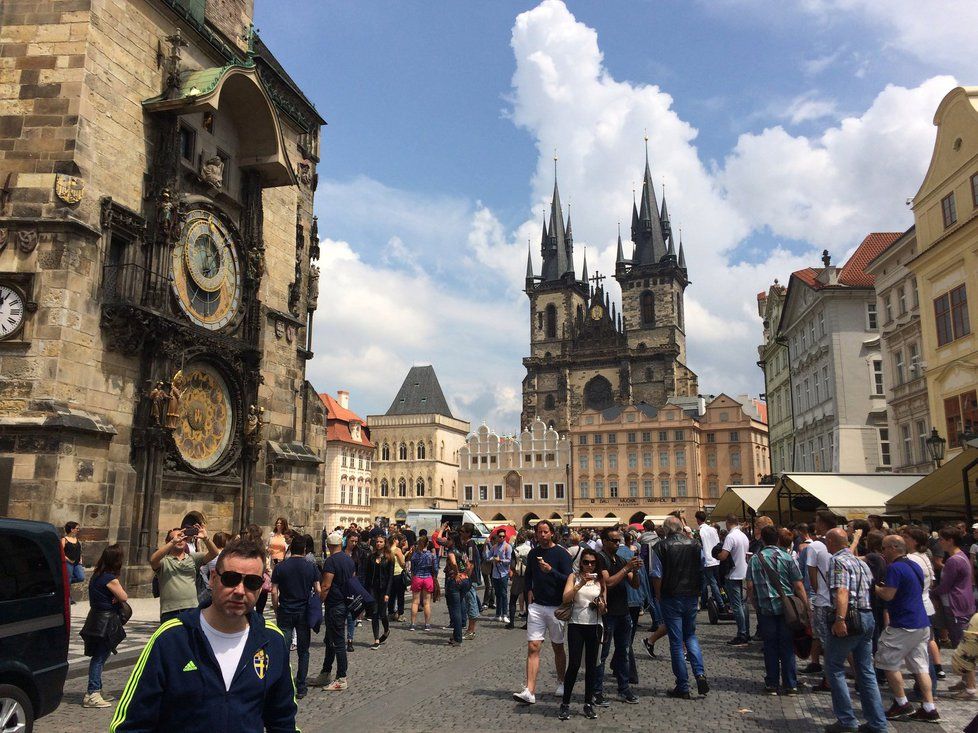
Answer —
384 487
442 451
647 305
549 403
359 494
550 321
385 453
402 452
419 487
598 394
421 451
401 487
342 493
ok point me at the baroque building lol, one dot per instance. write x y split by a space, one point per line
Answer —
584 353
516 479
898 316
946 269
773 361
349 451
829 324
637 462
417 444
157 240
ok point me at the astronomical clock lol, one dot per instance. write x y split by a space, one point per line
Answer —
206 272
202 416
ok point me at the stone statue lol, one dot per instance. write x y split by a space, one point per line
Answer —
254 426
312 301
166 215
173 403
160 399
304 172
212 172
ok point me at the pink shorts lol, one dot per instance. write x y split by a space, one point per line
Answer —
423 584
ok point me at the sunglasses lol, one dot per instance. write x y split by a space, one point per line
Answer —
231 579
587 562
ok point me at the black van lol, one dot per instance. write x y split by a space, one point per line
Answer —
35 619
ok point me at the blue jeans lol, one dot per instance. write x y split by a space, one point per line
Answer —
861 648
500 586
779 651
679 615
95 666
619 630
471 601
741 614
711 584
456 611
351 627
76 573
288 622
335 639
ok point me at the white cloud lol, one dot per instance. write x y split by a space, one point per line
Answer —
807 107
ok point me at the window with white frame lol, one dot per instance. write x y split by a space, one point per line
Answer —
633 460
598 462
544 491
647 460
497 493
906 437
612 461
878 377
735 460
633 488
872 322
664 487
901 300
582 461
885 447
647 488
527 491
681 487
680 459
558 491
599 489
713 488
898 368
613 489
711 459
582 489
922 436
483 493
663 459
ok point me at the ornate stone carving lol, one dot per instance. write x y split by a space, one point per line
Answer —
117 217
279 329
303 171
290 332
254 431
212 172
159 401
314 239
69 189
27 240
167 216
312 298
3 240
173 403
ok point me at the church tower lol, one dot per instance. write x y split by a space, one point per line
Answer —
653 283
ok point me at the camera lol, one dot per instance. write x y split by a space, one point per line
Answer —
189 532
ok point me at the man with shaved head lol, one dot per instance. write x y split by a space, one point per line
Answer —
905 639
850 584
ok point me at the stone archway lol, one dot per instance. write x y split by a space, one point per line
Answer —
529 518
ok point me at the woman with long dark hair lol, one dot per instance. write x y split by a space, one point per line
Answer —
254 533
73 554
423 570
103 630
585 589
379 580
395 607
458 574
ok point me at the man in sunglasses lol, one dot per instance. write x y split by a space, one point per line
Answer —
219 669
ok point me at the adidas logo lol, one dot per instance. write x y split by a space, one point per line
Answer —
190 667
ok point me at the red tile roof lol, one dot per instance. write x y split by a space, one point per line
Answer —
338 420
853 273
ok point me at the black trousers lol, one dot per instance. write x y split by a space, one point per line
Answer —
395 606
516 589
584 638
378 616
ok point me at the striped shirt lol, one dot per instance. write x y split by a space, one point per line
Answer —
848 571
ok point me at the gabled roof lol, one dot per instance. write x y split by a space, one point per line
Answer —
420 394
338 421
853 273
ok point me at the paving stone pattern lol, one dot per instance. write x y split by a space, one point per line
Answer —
416 682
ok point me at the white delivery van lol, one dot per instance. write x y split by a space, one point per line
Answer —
432 520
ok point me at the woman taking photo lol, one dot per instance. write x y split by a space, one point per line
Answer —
103 630
458 574
422 563
585 589
378 580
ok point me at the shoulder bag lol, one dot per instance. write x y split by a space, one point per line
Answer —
795 610
854 621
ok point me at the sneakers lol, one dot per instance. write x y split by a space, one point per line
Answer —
600 702
509 624
941 674
649 648
337 686
321 680
427 627
349 647
738 641
564 712
384 637
299 694
630 697
589 712
468 636
411 628
771 691
505 620
95 700
898 711
925 716
526 697
702 686
679 694
957 686
107 698
790 692
964 694
559 692
375 645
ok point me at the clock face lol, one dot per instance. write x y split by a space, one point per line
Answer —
11 311
206 273
206 417
596 312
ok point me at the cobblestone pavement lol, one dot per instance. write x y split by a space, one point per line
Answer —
416 682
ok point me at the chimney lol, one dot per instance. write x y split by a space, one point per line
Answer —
343 397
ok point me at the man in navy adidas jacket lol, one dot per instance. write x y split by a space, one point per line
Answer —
221 669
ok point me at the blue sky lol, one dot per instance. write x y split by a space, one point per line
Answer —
779 128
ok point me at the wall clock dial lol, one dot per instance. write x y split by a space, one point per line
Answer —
206 416
206 272
596 312
11 311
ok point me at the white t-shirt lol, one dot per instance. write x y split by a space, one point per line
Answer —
736 544
820 557
228 649
709 539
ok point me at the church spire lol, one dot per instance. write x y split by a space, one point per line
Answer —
650 244
529 261
664 215
620 256
682 255
584 273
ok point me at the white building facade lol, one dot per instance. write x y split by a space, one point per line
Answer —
347 484
773 353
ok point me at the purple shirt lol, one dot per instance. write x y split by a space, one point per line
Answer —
955 586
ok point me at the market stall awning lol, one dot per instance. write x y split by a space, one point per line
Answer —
738 499
594 521
852 495
940 489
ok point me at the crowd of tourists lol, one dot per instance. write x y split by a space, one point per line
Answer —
859 599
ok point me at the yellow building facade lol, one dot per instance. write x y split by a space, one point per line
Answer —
946 268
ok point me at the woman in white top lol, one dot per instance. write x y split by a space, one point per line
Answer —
585 589
916 540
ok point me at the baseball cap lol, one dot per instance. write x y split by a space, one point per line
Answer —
975 525
335 539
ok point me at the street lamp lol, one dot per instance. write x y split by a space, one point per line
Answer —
936 445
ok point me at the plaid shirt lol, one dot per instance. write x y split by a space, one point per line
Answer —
848 571
768 601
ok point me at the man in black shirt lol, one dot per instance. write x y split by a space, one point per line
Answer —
547 568
293 580
617 620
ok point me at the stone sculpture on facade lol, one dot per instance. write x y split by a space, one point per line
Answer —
212 172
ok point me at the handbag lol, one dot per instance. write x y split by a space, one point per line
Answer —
854 621
564 611
795 610
314 611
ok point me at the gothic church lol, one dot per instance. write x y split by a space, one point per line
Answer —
585 353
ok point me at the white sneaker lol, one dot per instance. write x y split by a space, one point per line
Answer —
505 619
559 692
526 697
95 701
